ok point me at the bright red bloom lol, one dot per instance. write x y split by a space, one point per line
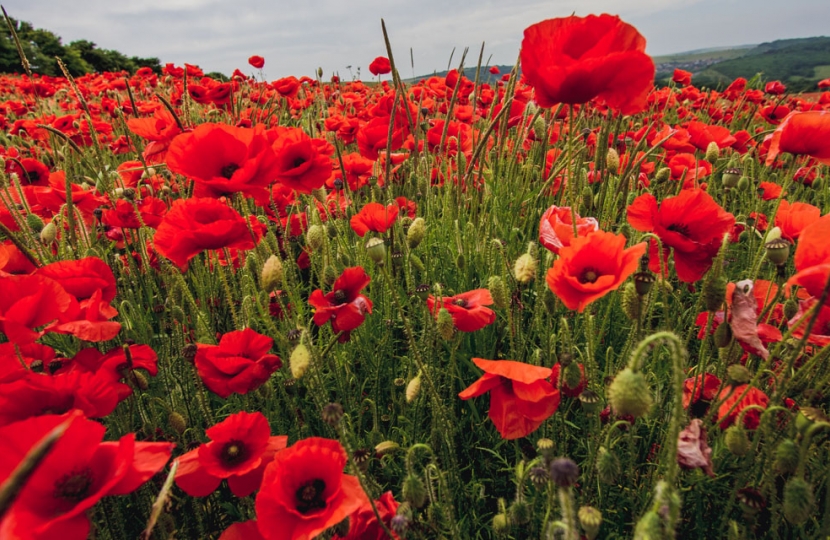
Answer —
239 364
591 267
494 70
802 133
373 137
573 60
776 88
691 223
344 306
769 190
54 197
74 476
681 77
521 397
812 257
304 491
732 395
33 173
147 212
256 61
701 135
223 159
380 66
83 277
700 388
28 303
556 228
374 217
194 225
690 169
300 163
467 309
793 218
160 130
363 525
240 448
287 87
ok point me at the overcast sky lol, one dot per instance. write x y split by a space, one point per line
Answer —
295 37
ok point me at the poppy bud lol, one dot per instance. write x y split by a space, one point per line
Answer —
329 274
798 500
140 380
460 261
177 422
520 512
630 301
445 324
332 414
790 308
299 361
413 388
416 262
608 466
376 249
629 394
649 527
414 491
34 222
524 270
712 152
49 233
743 183
501 525
730 177
549 301
314 237
587 198
498 290
714 292
437 516
572 376
786 457
737 374
590 519
564 472
271 275
612 161
778 251
386 447
723 335
319 194
539 127
416 233
737 441
662 175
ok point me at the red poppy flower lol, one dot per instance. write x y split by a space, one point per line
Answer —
691 223
733 395
256 61
556 228
566 390
30 302
344 306
373 136
160 130
223 159
591 267
812 257
520 396
54 197
301 165
681 77
793 218
147 212
363 524
702 388
239 364
287 87
689 168
802 133
380 66
358 170
33 173
74 475
573 60
692 450
776 88
194 225
701 135
494 70
467 309
83 277
374 217
304 491
769 191
243 530
240 448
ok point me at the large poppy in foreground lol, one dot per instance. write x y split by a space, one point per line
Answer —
521 397
574 60
806 132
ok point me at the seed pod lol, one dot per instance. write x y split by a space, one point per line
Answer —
730 177
376 249
798 500
629 394
590 519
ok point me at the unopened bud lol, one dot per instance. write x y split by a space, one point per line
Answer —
416 233
524 270
798 500
629 394
299 361
445 324
314 237
612 161
414 491
413 388
498 290
712 152
177 422
271 276
48 233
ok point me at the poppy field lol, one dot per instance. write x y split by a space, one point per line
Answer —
560 302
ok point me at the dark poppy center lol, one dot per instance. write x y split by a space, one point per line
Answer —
228 170
339 296
589 275
33 176
74 486
299 161
679 229
309 496
234 453
460 302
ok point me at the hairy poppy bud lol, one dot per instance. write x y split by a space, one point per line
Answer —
649 527
376 249
612 161
498 290
177 422
786 457
501 525
790 308
34 222
590 519
299 361
539 127
608 466
737 374
386 447
520 512
414 491
572 376
413 388
712 152
314 237
271 276
416 262
743 183
629 394
630 301
329 275
525 268
714 292
445 325
140 380
416 233
798 500
662 175
587 198
723 335
737 441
